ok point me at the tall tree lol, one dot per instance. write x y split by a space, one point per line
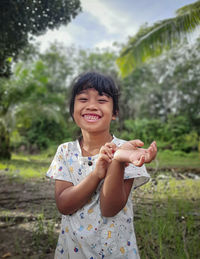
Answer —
99 60
19 20
34 96
168 86
152 41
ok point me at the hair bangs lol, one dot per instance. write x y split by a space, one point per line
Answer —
98 82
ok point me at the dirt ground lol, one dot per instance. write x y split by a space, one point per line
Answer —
22 235
26 212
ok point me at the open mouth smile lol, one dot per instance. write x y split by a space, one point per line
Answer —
91 117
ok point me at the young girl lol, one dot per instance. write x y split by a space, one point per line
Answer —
94 177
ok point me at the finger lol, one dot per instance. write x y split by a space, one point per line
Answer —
107 151
137 143
154 152
154 145
112 146
105 158
140 162
151 154
154 142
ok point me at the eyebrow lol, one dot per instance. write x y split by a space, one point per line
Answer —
84 91
81 92
105 94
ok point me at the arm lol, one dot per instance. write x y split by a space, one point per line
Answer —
70 198
115 190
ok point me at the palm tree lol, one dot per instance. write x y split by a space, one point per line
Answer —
152 41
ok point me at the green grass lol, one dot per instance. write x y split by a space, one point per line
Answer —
168 158
23 167
44 237
168 222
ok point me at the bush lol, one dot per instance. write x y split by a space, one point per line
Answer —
186 142
176 134
146 130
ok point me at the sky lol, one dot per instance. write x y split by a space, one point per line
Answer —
103 22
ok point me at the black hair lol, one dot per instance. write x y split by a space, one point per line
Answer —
102 83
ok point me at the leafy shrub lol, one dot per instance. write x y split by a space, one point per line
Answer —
144 129
175 134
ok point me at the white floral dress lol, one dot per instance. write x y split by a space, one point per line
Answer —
86 234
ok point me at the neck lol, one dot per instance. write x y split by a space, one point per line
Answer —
91 143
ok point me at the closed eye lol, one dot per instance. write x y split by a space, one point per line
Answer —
82 99
102 101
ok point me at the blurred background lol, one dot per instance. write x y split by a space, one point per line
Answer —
151 49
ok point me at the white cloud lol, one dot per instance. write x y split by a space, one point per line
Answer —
114 20
105 44
60 35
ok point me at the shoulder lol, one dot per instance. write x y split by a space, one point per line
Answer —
67 146
118 142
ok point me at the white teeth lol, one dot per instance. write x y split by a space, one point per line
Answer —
91 117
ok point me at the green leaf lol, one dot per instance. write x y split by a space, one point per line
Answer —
9 60
152 41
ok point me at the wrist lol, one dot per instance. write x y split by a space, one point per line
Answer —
97 175
119 163
121 156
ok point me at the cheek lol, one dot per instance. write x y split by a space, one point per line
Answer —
76 108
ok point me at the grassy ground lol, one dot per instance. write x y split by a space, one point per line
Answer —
176 159
167 217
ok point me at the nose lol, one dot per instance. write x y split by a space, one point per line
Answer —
92 105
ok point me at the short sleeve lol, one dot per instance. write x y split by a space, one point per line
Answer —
139 174
58 169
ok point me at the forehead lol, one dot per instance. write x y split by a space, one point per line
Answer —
92 91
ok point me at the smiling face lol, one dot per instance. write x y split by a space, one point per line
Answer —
93 112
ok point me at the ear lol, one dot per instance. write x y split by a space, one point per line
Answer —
114 117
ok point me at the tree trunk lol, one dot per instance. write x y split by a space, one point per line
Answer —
5 152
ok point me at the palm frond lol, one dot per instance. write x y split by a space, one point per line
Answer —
152 41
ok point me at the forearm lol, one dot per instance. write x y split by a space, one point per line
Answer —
75 197
113 193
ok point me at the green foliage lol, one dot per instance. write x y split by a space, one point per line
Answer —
174 134
20 19
154 40
144 129
39 107
167 87
101 61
